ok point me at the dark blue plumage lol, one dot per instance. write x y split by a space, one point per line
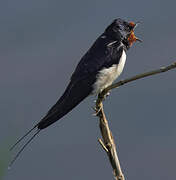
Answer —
97 69
99 56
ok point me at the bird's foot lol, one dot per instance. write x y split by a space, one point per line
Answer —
103 96
98 107
107 94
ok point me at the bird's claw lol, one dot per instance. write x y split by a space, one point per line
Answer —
107 94
97 110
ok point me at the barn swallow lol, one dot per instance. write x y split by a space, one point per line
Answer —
97 69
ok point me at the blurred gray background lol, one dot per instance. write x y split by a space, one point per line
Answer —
41 42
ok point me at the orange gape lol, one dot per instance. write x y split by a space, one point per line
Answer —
132 38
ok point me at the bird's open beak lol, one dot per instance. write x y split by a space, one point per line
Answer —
132 38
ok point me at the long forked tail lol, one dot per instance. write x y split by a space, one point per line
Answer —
23 147
19 140
73 95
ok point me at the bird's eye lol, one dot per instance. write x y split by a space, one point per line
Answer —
128 26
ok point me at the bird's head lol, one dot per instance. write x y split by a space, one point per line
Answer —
123 31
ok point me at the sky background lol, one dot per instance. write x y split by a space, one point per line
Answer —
41 42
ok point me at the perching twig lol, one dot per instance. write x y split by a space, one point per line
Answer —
139 76
102 144
108 142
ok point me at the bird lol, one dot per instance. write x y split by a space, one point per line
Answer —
98 68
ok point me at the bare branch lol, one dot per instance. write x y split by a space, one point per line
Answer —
108 143
102 144
139 76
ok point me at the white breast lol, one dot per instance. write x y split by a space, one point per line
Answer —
107 75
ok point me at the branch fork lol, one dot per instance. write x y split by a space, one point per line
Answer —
108 143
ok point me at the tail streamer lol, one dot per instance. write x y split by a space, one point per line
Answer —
21 150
